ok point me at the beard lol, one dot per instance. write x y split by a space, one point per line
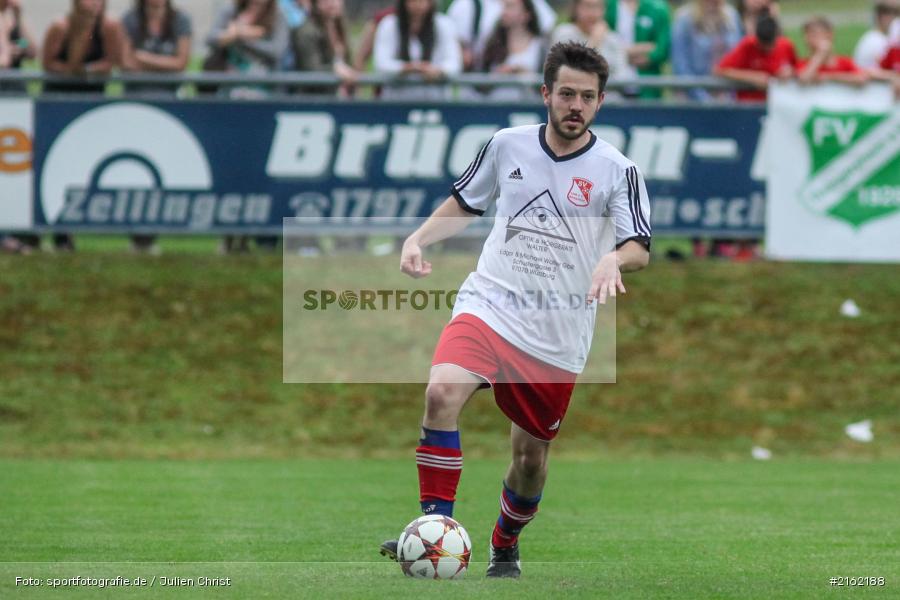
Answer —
569 130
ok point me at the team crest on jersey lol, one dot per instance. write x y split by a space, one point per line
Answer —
580 192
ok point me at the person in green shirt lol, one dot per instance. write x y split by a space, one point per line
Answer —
643 26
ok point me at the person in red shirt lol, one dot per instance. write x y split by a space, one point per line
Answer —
890 68
823 64
758 58
891 60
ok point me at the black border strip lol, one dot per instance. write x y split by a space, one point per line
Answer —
462 202
634 224
643 240
549 152
637 190
470 173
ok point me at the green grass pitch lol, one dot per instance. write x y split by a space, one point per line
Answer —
144 428
652 528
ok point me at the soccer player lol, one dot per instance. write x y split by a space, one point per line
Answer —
551 184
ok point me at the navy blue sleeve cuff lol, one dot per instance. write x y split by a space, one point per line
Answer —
640 239
463 204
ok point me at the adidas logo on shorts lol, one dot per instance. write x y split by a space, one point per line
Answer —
517 174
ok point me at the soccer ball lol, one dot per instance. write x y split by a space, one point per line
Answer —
434 547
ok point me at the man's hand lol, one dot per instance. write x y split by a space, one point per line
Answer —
606 280
411 261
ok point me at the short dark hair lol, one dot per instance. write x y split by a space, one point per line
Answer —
887 7
578 56
766 30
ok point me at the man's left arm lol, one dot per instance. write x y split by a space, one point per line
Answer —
606 280
629 206
632 256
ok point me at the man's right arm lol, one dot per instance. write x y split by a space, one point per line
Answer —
446 221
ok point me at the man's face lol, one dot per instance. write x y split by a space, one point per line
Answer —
573 102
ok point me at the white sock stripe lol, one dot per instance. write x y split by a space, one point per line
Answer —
438 463
521 519
504 508
439 467
426 453
426 463
447 459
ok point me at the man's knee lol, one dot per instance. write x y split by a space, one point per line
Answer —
531 463
444 398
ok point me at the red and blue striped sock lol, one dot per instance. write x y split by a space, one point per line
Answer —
515 513
439 461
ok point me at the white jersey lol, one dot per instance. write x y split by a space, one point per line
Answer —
535 269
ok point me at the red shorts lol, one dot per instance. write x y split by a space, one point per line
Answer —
532 393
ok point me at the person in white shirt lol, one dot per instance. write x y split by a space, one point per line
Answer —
874 43
514 47
417 40
474 21
523 320
588 26
894 32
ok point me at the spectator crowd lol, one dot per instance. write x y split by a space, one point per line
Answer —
741 42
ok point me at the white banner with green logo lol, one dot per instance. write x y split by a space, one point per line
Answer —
833 173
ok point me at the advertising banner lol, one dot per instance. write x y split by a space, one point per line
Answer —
218 167
833 174
15 163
